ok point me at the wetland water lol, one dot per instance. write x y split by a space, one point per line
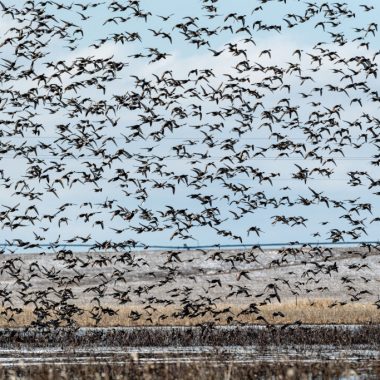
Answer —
351 352
172 355
358 362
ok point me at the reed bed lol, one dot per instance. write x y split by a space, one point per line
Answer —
193 336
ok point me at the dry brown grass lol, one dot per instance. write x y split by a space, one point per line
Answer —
318 311
321 312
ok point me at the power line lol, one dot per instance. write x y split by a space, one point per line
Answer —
186 138
212 246
273 179
209 158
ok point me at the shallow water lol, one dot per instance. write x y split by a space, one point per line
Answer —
119 347
169 355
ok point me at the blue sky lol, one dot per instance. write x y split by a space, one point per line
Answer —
182 58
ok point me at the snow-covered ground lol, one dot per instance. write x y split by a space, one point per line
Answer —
351 275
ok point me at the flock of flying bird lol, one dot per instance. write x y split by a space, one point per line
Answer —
213 140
